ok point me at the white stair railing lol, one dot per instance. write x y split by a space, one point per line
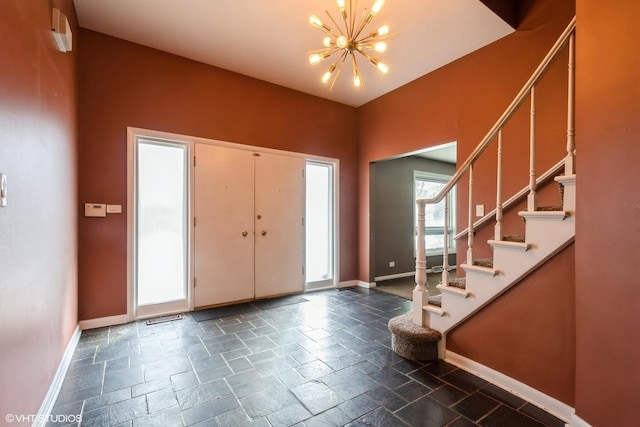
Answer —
532 198
420 294
497 230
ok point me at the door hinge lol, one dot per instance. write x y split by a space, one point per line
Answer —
303 270
194 282
194 161
303 173
194 221
256 154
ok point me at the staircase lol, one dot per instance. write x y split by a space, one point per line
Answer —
546 233
548 230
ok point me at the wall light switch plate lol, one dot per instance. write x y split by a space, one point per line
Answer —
114 209
479 210
3 189
95 210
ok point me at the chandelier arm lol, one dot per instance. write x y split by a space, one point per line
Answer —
353 18
366 54
375 39
356 72
334 23
364 21
372 59
341 61
329 50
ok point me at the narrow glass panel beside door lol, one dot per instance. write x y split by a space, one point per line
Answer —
161 226
319 247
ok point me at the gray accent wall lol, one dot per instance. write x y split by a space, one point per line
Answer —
392 204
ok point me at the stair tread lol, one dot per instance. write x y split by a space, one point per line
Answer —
436 300
460 283
513 238
483 262
549 209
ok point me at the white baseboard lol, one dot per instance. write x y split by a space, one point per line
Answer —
513 386
355 283
52 395
576 421
348 284
409 274
394 276
104 321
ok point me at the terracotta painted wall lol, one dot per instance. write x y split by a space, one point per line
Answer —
461 101
608 188
528 333
123 84
38 261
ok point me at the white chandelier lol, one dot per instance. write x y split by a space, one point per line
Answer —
346 43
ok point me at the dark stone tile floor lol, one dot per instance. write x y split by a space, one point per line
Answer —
323 362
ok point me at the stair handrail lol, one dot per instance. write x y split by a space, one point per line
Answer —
420 293
509 112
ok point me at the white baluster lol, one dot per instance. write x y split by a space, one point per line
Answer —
445 252
497 233
420 293
471 232
569 163
532 203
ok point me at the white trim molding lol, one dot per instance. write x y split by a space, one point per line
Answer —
103 321
576 421
56 384
366 285
513 386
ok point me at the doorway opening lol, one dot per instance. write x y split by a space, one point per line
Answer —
395 184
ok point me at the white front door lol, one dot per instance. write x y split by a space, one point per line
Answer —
224 230
249 231
279 212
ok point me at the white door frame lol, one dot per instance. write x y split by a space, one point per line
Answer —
134 132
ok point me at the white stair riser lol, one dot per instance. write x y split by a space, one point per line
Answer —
548 233
569 192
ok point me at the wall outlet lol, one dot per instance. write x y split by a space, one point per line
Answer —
114 209
392 263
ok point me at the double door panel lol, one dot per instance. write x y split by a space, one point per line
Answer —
248 239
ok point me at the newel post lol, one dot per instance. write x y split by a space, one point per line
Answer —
420 293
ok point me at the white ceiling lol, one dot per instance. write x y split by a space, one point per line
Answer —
270 39
443 153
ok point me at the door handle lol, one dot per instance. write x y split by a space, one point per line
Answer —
264 233
244 234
